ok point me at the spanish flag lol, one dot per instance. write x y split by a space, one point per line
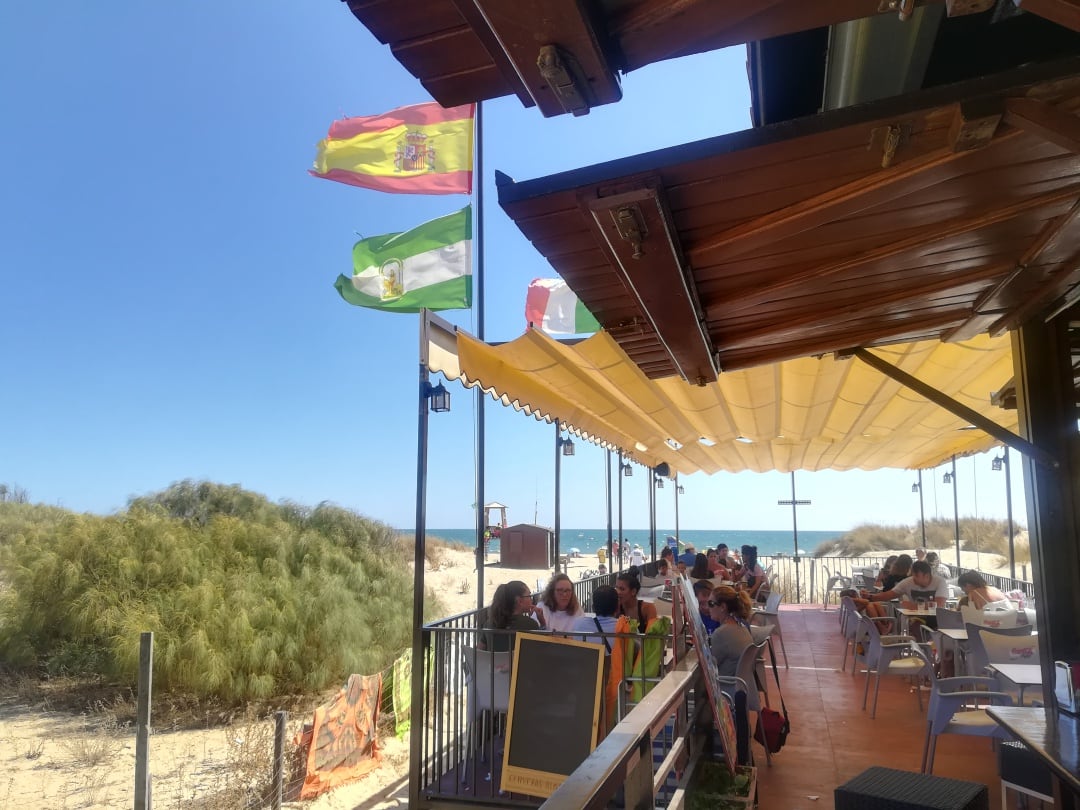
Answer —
421 149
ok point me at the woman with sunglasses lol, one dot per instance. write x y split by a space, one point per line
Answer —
509 606
731 610
559 607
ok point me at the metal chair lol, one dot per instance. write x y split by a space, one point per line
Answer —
891 655
833 585
955 708
849 626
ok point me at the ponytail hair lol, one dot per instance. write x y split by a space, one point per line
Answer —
737 603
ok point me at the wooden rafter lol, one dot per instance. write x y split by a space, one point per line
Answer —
858 195
1063 12
954 227
1047 236
1044 120
1063 280
878 304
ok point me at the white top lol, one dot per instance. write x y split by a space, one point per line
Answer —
559 619
637 557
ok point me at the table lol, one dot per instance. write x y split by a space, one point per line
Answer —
1053 737
1020 675
955 633
906 613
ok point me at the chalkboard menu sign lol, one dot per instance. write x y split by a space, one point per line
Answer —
555 697
721 705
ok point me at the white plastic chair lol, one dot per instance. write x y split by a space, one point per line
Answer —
834 584
487 678
770 614
977 658
746 678
958 706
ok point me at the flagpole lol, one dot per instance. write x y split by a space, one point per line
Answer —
478 282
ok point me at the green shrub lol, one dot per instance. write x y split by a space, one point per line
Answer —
976 534
247 599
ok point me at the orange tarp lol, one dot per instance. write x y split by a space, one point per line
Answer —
342 743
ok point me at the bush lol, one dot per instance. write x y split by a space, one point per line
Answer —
976 534
246 599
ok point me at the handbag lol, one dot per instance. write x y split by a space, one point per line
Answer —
774 724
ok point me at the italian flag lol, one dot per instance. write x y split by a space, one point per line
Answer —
429 266
551 305
420 149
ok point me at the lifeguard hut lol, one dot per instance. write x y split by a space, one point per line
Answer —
495 527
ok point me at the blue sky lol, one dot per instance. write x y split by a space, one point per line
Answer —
168 268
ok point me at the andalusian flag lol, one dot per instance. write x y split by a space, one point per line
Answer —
551 305
422 149
429 266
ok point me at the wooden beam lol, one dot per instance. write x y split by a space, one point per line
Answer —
958 409
758 295
1051 290
975 123
1046 237
643 242
1044 120
1063 12
556 52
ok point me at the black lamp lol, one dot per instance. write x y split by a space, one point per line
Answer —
997 463
627 470
915 487
439 397
947 478
567 446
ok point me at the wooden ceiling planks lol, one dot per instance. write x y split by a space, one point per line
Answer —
803 244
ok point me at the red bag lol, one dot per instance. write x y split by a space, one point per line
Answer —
774 723
776 728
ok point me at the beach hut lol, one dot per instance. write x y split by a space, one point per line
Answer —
526 545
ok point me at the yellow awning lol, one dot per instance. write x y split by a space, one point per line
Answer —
813 413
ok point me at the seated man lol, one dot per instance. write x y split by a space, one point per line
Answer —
703 590
688 556
605 600
923 585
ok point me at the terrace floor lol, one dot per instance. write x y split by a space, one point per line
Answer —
833 739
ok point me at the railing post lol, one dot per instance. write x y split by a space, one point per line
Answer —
142 722
279 759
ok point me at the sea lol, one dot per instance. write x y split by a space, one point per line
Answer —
587 541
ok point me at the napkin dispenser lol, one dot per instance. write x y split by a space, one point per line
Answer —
1067 686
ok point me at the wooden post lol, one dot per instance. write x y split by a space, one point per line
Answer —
142 720
279 758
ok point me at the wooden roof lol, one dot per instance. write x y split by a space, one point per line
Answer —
939 215
568 55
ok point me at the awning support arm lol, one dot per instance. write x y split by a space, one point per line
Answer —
1018 443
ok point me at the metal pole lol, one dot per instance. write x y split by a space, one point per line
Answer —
607 494
1009 516
676 509
279 760
922 511
795 536
142 722
416 726
622 540
558 483
652 513
478 282
956 510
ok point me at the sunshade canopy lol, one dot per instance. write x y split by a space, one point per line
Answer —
806 414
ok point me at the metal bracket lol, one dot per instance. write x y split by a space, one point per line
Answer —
631 226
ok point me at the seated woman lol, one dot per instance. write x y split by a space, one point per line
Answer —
731 610
559 606
701 568
716 567
751 574
627 586
889 576
886 569
977 592
507 612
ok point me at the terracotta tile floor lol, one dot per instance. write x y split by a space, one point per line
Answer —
833 739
